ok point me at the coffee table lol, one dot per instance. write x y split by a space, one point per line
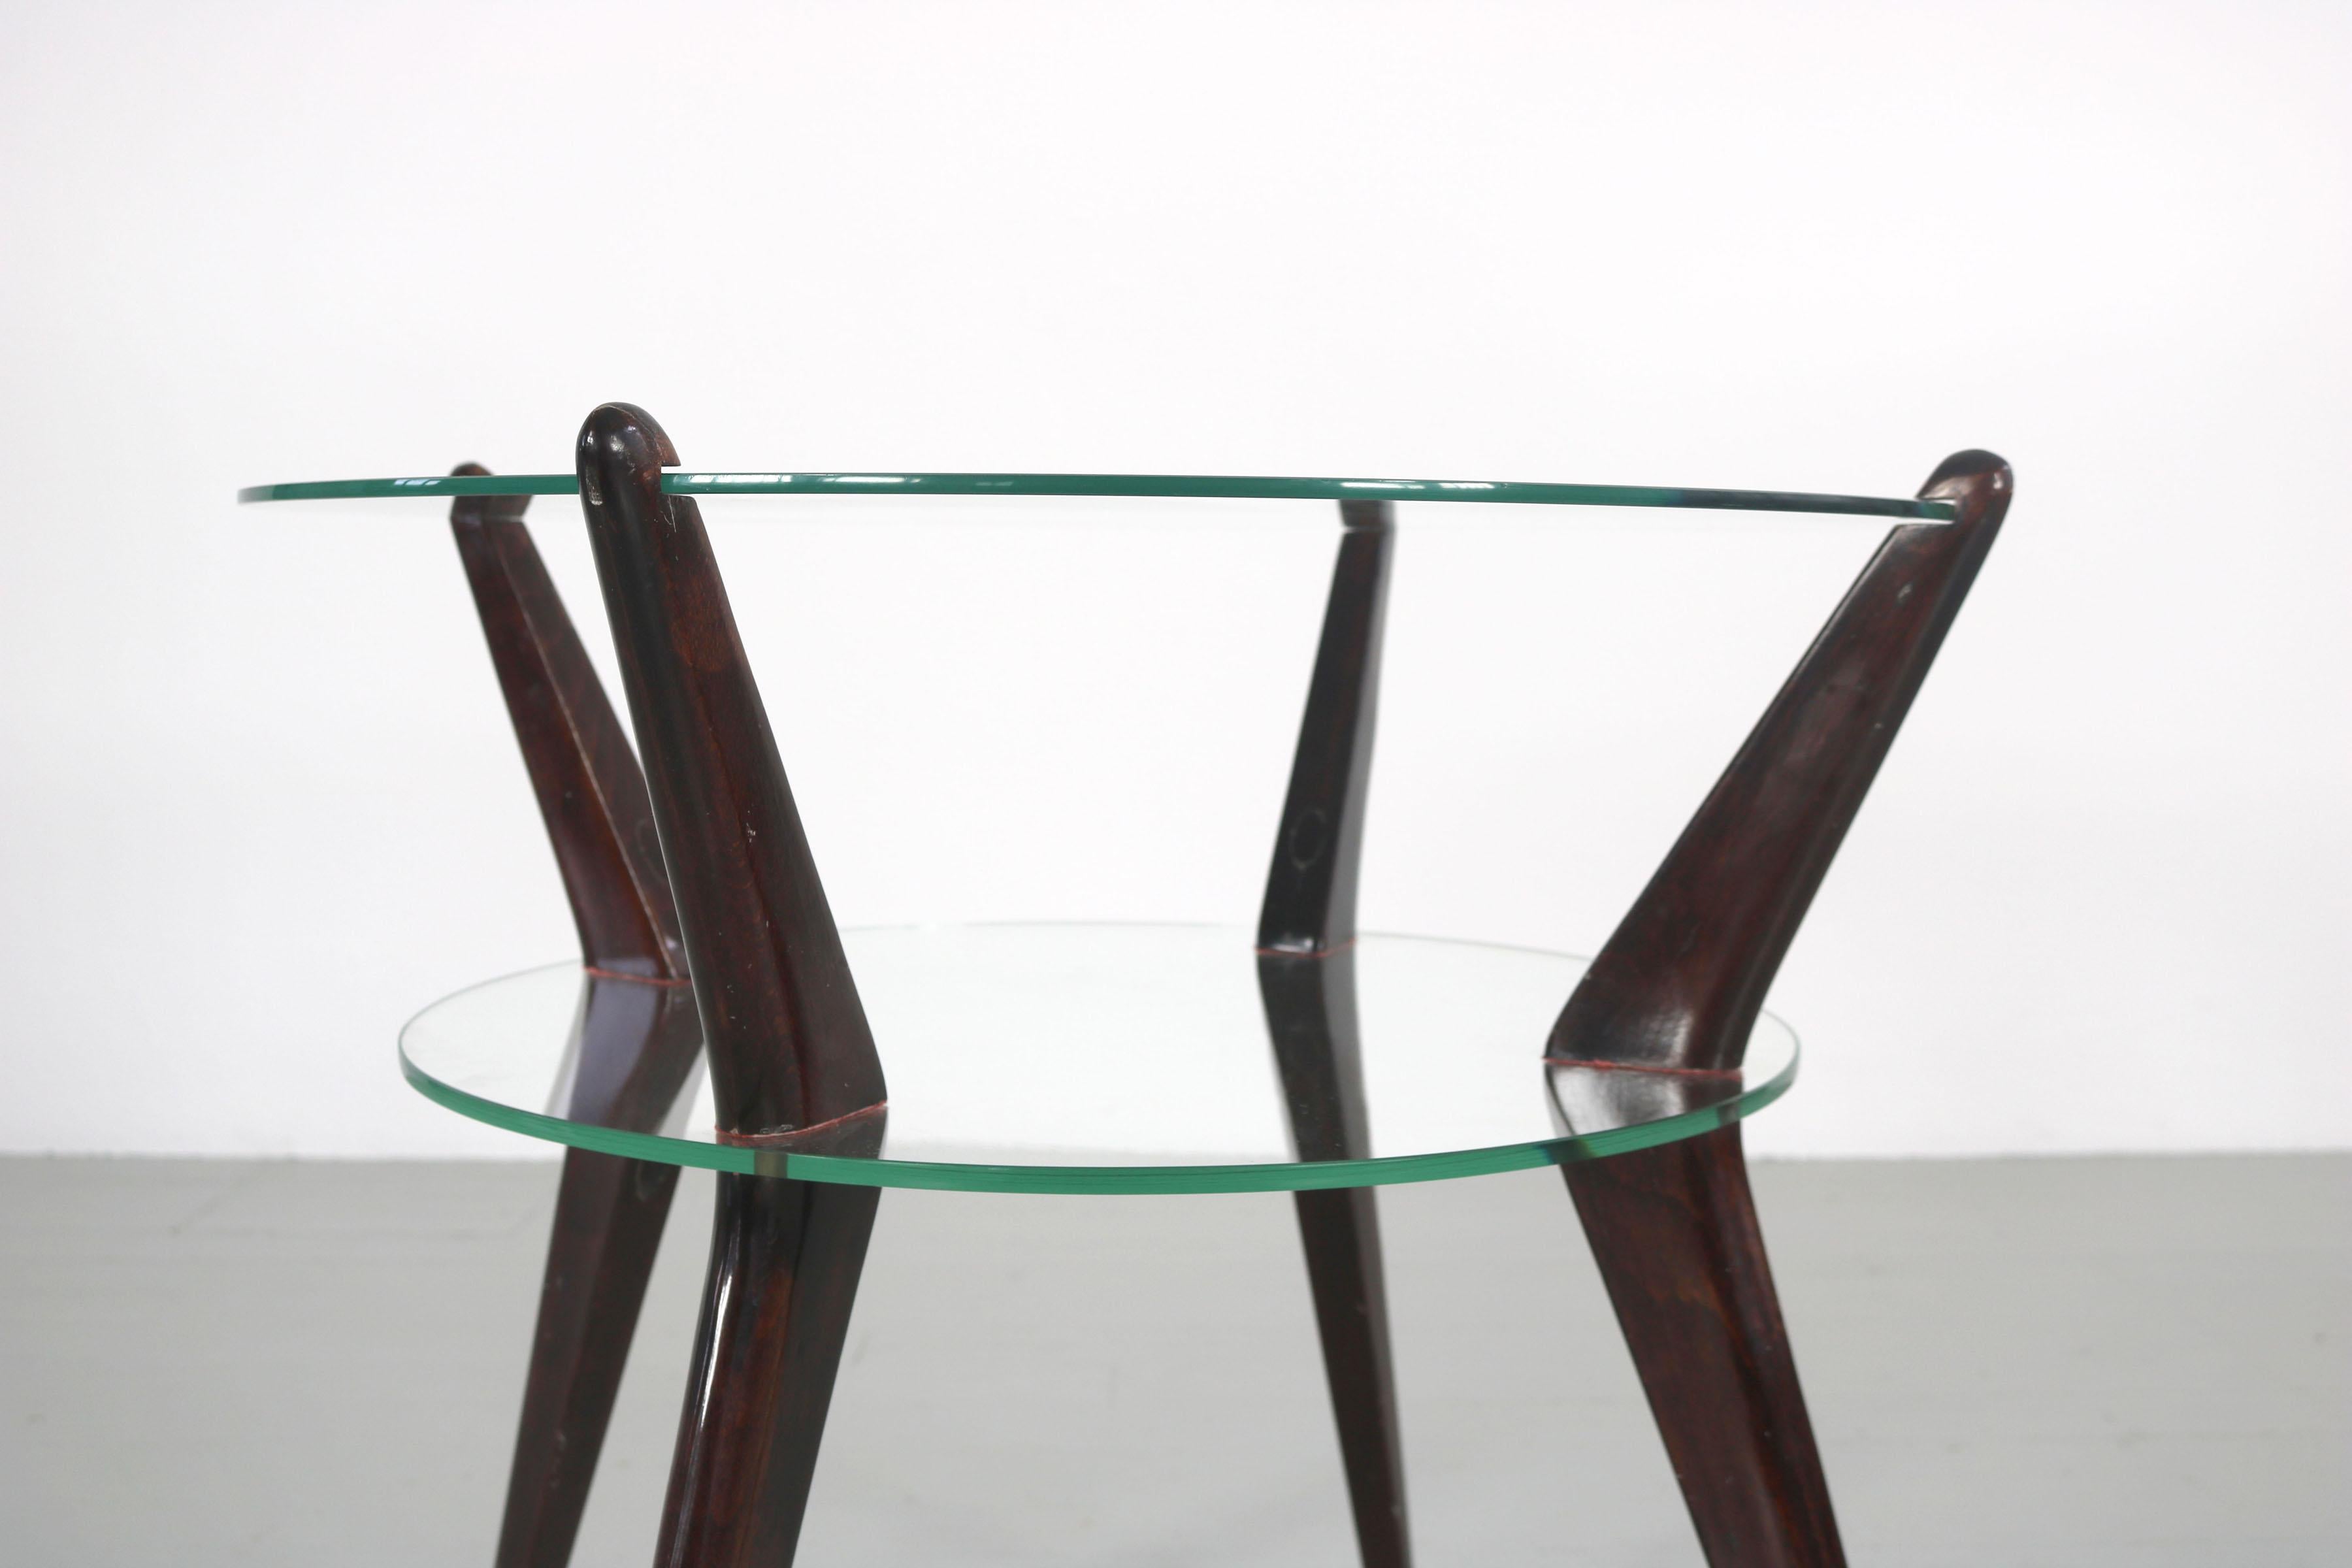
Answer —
719 1018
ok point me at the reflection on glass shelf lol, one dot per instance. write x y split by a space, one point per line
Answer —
1109 1058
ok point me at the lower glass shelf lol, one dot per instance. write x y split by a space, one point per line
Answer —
1109 1058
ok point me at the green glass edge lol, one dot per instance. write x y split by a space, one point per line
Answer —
1104 1180
1208 486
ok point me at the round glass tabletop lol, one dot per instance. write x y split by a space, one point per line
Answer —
687 482
1119 1058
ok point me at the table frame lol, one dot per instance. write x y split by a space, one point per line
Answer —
701 916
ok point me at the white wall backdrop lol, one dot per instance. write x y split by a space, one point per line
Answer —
259 801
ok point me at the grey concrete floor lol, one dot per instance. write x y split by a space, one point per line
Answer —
2062 1362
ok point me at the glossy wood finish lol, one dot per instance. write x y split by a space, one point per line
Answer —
784 1261
1667 1008
792 1061
789 1045
636 1040
609 1214
1674 1229
591 793
1307 977
1680 982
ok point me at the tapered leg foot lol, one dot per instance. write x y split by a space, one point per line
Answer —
608 1225
1674 1229
784 1261
1310 1013
1342 1235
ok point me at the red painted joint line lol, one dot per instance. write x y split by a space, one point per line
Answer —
633 979
785 1137
1640 1066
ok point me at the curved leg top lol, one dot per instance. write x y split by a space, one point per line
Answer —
1680 982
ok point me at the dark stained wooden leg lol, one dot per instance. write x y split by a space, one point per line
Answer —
788 1046
609 1214
637 1043
784 1262
1680 980
1306 978
638 1037
1310 1007
1669 1006
792 1060
1310 886
1340 1229
591 793
1674 1229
